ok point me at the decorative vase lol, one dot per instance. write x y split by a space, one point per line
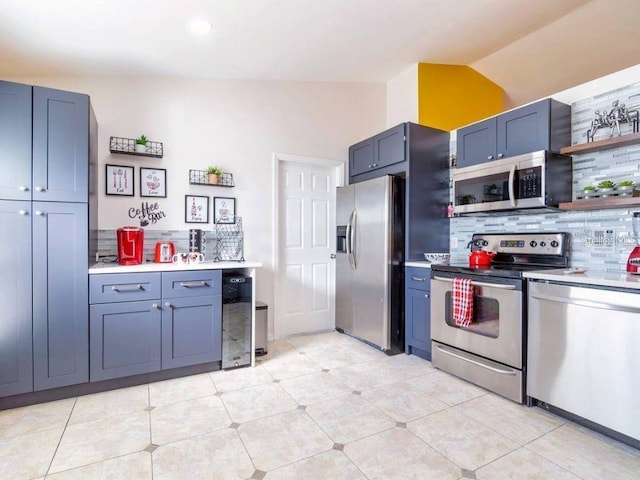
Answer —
141 148
213 178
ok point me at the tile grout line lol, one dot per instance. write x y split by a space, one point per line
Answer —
66 424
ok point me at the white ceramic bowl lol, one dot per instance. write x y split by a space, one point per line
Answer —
437 258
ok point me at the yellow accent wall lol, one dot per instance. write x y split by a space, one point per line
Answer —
451 96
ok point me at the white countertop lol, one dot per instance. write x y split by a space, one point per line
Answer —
168 267
419 264
589 277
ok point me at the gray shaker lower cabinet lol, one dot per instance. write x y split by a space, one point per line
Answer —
16 363
60 294
125 339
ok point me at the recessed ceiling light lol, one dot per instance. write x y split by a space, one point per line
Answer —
200 27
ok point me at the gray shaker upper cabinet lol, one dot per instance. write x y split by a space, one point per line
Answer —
544 125
15 141
60 146
384 149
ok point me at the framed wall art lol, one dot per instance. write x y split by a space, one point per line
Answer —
224 210
119 180
196 209
153 182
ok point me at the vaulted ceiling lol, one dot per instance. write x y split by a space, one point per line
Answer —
531 49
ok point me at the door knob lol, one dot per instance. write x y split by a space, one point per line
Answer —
333 255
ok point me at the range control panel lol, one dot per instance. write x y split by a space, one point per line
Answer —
522 243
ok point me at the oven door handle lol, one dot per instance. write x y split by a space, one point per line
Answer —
501 371
480 284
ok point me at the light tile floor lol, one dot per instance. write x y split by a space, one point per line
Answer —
322 406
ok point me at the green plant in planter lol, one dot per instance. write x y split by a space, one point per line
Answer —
142 140
606 184
214 170
588 188
626 183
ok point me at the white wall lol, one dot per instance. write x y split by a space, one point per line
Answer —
402 97
237 125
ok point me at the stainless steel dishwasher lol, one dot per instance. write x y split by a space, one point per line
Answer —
583 354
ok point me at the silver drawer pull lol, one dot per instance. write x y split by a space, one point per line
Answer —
194 284
417 279
132 288
475 362
480 284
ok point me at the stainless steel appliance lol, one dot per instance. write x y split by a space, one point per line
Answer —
633 262
583 354
526 182
236 319
370 254
490 352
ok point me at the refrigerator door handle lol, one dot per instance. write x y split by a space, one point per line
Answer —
350 240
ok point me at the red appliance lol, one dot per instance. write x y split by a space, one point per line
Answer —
130 244
633 262
480 258
164 252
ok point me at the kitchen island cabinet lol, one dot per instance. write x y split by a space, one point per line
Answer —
544 125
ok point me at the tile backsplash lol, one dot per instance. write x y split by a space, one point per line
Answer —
600 239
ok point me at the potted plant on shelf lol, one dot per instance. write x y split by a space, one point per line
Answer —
141 144
606 186
588 191
625 187
214 174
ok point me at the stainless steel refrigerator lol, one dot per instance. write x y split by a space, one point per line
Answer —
369 260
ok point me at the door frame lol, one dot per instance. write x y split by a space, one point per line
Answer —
278 159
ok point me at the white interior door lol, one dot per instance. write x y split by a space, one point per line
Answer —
306 280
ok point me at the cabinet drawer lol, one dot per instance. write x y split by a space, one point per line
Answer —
191 284
418 278
123 287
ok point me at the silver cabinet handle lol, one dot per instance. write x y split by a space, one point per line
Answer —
370 165
23 188
23 212
127 288
480 284
586 303
500 155
427 295
154 305
417 279
39 213
40 189
168 304
475 362
193 284
512 193
490 157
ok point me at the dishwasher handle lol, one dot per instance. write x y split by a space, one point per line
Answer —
586 303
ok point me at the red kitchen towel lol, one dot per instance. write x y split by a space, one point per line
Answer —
462 294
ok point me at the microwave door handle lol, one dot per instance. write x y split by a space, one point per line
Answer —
512 195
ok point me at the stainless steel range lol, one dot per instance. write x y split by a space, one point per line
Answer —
490 351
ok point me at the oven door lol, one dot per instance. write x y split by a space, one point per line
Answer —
497 327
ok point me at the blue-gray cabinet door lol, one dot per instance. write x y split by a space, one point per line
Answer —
361 157
16 370
60 146
60 294
524 130
389 147
418 321
476 143
191 331
125 339
15 141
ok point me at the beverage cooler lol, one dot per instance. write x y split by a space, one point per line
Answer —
236 319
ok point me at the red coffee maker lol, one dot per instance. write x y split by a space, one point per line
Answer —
633 262
130 244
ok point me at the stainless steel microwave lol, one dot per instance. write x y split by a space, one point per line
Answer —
538 180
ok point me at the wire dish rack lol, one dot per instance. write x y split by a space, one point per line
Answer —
127 146
201 177
230 243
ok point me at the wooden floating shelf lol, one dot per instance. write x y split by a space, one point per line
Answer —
603 203
600 145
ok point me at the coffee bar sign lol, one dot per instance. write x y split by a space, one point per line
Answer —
148 213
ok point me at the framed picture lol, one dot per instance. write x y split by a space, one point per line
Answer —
196 209
224 210
119 180
153 182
